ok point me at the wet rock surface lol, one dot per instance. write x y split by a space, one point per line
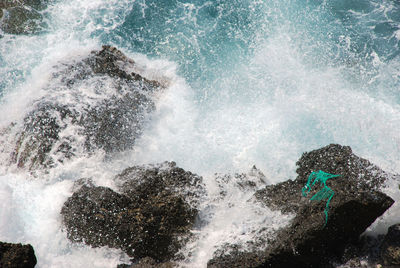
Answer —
374 251
22 17
70 121
363 254
151 216
390 249
41 131
306 241
16 256
148 263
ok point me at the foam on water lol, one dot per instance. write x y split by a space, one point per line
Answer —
30 214
285 110
232 218
249 82
30 207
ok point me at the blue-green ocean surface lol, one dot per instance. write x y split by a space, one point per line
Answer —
250 82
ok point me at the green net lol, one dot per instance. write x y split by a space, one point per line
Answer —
325 193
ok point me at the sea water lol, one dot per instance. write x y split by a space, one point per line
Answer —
251 82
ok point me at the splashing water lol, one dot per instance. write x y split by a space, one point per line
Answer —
251 82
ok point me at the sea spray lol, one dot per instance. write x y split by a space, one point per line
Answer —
251 82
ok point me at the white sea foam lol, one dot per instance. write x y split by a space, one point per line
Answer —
266 111
30 214
231 219
392 215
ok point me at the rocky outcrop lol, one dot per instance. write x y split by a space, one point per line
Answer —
16 256
152 210
22 17
150 216
95 103
390 249
308 240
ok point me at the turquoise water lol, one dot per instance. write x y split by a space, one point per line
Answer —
207 38
250 82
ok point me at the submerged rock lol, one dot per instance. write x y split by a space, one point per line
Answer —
307 241
95 103
150 217
22 17
17 256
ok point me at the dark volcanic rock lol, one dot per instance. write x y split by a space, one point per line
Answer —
139 182
16 256
306 241
337 159
390 250
95 103
91 211
40 132
22 17
149 218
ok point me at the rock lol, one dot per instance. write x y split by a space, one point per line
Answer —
306 241
150 217
40 133
148 263
390 250
363 254
244 182
22 17
16 256
140 182
92 211
337 159
70 121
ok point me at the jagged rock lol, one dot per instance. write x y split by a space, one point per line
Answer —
68 121
337 159
250 181
306 241
17 256
139 182
150 217
390 250
22 17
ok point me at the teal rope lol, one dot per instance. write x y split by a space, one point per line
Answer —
324 193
